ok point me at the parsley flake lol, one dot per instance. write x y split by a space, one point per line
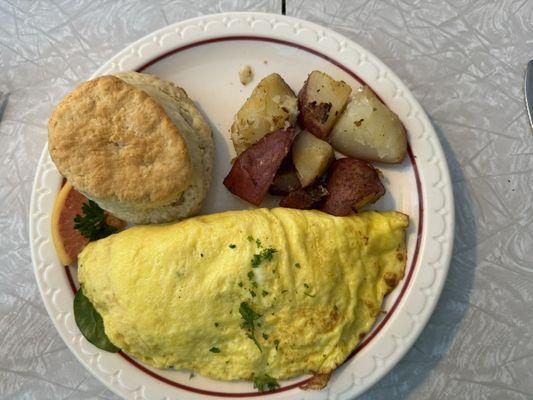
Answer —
264 255
264 293
265 382
249 316
276 344
306 285
297 265
214 350
252 293
232 246
241 284
265 336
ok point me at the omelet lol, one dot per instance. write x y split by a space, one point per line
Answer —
238 294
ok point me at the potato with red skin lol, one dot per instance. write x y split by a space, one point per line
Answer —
254 169
286 181
352 183
321 101
305 199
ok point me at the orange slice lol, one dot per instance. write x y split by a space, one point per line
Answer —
68 241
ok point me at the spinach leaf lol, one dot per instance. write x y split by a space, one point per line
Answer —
90 323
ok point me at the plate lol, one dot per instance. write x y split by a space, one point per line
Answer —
204 55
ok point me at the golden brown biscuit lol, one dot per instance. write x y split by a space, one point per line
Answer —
136 145
197 134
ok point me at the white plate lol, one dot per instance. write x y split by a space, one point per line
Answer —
204 55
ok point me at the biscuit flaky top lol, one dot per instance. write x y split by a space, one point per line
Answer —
113 141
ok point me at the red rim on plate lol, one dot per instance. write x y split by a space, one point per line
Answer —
408 277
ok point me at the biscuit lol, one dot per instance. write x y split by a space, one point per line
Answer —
136 145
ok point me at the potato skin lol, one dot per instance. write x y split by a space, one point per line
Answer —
321 101
351 184
307 198
369 130
271 106
285 182
254 169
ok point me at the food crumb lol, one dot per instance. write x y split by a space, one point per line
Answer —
246 75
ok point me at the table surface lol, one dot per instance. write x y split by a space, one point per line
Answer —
464 61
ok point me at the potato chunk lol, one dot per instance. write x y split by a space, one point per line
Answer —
271 106
285 182
369 130
352 184
311 157
321 101
254 170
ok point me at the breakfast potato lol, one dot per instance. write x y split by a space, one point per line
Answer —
286 181
311 157
305 199
271 106
254 169
321 101
351 184
369 130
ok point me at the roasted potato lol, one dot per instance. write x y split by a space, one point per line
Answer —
285 182
254 169
321 101
311 157
351 184
271 106
369 130
305 199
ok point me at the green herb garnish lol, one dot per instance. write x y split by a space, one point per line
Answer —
276 344
241 284
251 275
265 293
232 246
264 255
258 243
90 323
306 285
249 316
216 324
214 350
265 382
297 265
252 293
92 224
265 336
250 238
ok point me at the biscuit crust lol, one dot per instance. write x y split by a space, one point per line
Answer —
114 142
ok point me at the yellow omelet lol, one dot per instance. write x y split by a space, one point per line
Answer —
232 295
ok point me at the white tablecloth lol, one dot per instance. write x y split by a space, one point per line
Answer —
464 61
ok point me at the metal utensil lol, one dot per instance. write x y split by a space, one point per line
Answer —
528 91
